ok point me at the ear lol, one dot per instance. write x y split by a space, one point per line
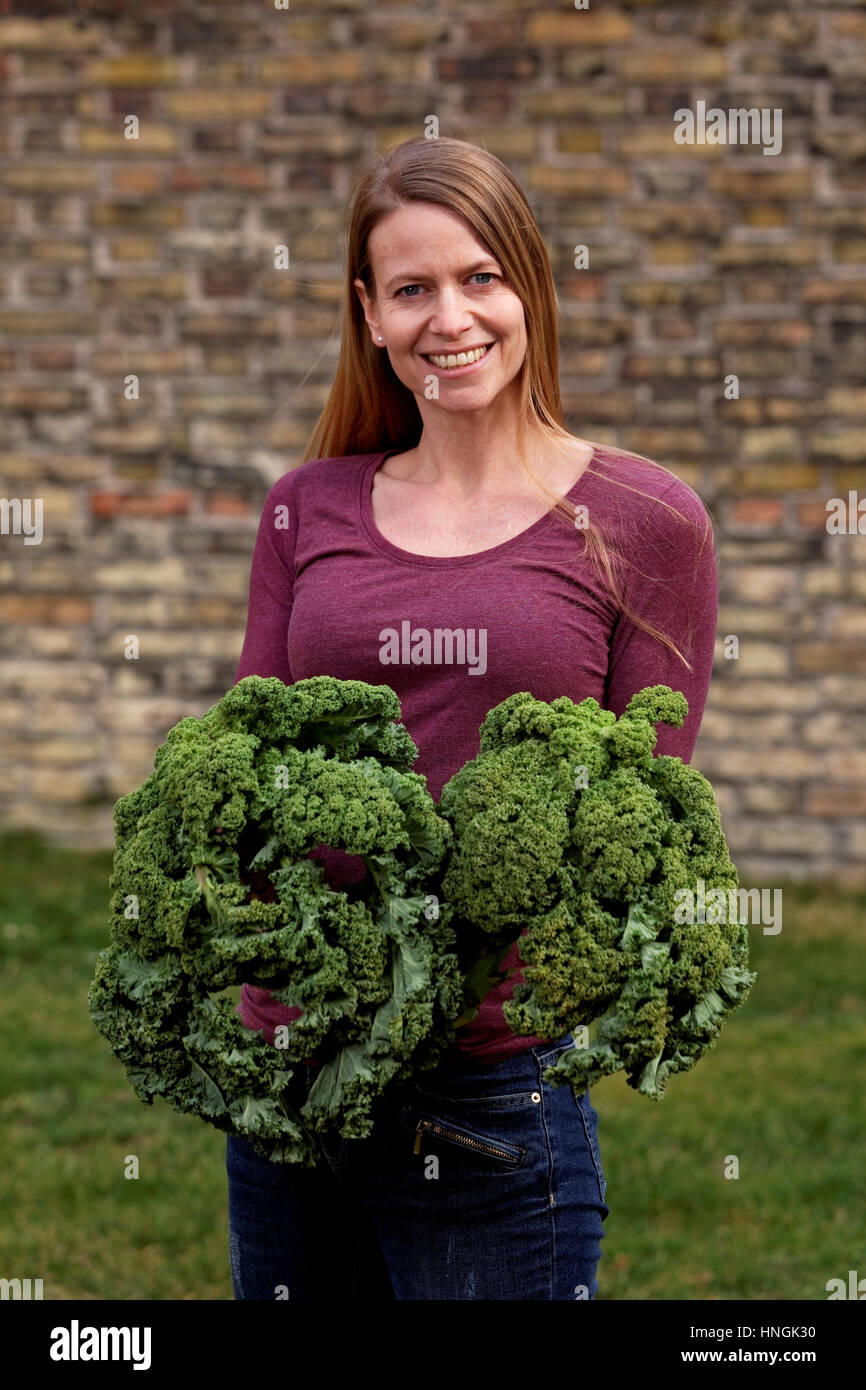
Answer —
369 306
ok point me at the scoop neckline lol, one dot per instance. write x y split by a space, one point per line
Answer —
447 561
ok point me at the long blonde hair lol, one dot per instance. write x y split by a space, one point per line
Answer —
369 409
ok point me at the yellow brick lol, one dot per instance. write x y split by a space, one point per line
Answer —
311 70
133 70
581 27
581 141
169 285
131 249
64 750
59 252
674 251
69 785
643 65
588 183
575 101
164 575
49 35
214 105
657 141
153 140
74 176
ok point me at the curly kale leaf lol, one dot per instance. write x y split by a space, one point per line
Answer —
567 828
214 883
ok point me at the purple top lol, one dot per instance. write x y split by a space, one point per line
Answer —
329 595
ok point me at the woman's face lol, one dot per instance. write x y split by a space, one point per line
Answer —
438 290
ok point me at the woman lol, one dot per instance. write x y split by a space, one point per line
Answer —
443 494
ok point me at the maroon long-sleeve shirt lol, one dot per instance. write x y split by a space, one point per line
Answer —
329 595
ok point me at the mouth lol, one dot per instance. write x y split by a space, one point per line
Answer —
454 363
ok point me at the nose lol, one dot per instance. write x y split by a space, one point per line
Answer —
452 316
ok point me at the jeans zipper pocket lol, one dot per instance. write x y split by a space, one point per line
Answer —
514 1156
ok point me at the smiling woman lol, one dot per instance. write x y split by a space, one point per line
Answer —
442 491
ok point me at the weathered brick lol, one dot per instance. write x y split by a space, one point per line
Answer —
855 841
831 801
750 184
227 504
820 657
587 141
129 438
45 608
133 70
209 104
309 70
173 285
843 291
75 176
848 623
824 581
786 835
559 102
643 64
64 751
770 798
237 406
585 183
745 762
67 785
846 445
161 216
763 659
583 28
232 177
111 504
48 35
758 511
163 574
106 142
764 583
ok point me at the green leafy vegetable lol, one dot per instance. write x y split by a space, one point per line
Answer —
213 885
567 825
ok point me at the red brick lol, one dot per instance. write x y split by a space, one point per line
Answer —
109 504
812 514
758 511
50 610
835 802
227 504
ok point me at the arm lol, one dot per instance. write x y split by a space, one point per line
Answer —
265 648
671 581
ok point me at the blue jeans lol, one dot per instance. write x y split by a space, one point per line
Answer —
477 1182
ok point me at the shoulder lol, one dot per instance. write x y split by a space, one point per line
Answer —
320 477
642 492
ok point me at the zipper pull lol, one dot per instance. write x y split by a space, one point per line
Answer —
417 1148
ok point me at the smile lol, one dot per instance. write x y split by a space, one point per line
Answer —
454 362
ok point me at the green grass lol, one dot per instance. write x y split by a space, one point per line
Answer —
782 1091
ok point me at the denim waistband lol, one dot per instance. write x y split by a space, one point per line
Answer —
523 1064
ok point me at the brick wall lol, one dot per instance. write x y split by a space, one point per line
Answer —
155 257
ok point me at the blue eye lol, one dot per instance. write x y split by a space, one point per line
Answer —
491 275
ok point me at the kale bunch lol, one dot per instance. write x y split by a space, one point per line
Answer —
213 884
567 825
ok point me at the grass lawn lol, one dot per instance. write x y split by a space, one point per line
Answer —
782 1093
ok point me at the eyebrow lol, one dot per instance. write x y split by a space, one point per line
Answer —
409 277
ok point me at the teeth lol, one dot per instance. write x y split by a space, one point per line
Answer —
460 359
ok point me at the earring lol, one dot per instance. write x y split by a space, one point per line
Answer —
381 339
